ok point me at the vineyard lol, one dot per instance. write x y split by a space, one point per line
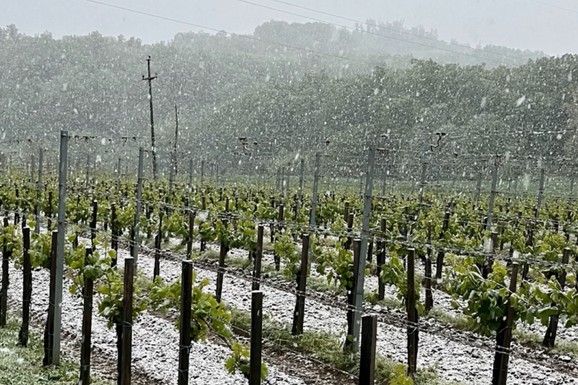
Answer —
214 281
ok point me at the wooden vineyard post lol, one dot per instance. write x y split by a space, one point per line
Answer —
49 211
313 209
49 328
349 343
158 243
493 193
5 280
85 344
38 191
441 254
191 234
486 268
504 336
221 271
185 321
27 287
347 244
345 210
381 260
114 234
279 229
93 222
299 314
412 316
368 347
427 275
126 353
256 285
550 337
526 265
370 251
256 337
540 196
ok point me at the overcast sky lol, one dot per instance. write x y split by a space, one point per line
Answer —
547 25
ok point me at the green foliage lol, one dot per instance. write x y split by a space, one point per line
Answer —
111 293
239 361
393 273
40 247
485 298
400 377
286 249
11 239
337 265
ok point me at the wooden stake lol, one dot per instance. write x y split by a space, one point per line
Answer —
125 374
258 257
412 316
368 347
256 337
185 321
299 314
85 344
27 287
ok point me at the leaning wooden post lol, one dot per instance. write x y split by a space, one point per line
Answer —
158 245
185 321
428 271
257 261
278 229
93 222
412 315
381 260
256 337
368 347
27 287
191 233
441 254
350 343
221 271
114 234
5 280
125 372
504 336
299 314
550 336
85 343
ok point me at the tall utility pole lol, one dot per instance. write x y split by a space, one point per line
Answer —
149 79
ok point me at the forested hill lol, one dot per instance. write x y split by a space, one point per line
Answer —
311 79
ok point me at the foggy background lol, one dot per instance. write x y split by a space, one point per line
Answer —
549 25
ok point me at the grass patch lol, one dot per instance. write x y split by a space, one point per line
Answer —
328 349
210 254
23 366
268 247
321 285
534 341
460 323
